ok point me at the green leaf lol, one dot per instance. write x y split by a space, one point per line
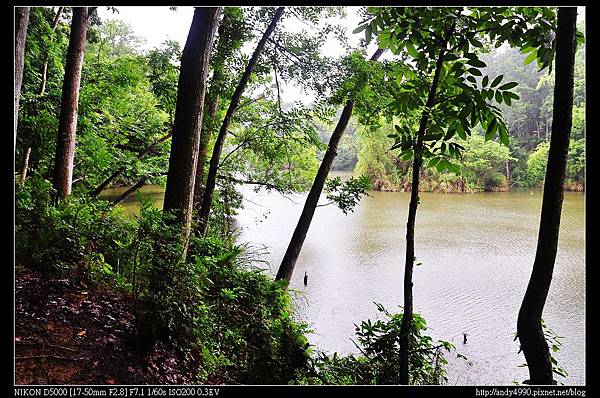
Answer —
369 33
411 50
433 161
475 42
491 129
461 131
406 155
360 28
507 97
450 134
530 58
503 135
485 81
527 50
498 96
474 71
433 137
508 86
580 38
477 63
496 81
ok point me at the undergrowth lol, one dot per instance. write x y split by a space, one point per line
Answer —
214 303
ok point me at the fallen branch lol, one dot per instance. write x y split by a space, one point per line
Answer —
33 343
47 356
121 169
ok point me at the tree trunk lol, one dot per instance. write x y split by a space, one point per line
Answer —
21 21
44 71
286 268
406 325
218 148
529 328
224 50
131 190
121 169
67 124
25 163
205 137
188 116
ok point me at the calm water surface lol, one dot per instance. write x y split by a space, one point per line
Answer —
477 251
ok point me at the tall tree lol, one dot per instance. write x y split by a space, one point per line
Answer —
67 124
440 44
235 101
44 71
21 21
412 209
529 328
286 268
230 39
188 115
42 92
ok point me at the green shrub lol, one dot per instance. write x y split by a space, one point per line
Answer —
214 302
575 177
379 362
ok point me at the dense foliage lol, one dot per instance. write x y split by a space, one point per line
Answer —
217 304
528 120
482 167
379 360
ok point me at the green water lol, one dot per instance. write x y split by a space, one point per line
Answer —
477 251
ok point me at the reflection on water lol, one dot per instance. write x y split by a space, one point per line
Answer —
477 251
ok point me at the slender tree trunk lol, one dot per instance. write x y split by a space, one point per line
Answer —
121 169
179 193
407 316
286 268
21 21
44 72
529 328
44 77
218 148
223 52
67 124
25 163
203 151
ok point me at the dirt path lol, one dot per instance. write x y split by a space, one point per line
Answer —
67 332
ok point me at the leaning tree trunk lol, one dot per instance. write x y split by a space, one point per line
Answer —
224 49
188 116
21 21
529 327
407 316
286 268
42 92
218 148
67 123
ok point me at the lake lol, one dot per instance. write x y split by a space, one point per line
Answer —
476 250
